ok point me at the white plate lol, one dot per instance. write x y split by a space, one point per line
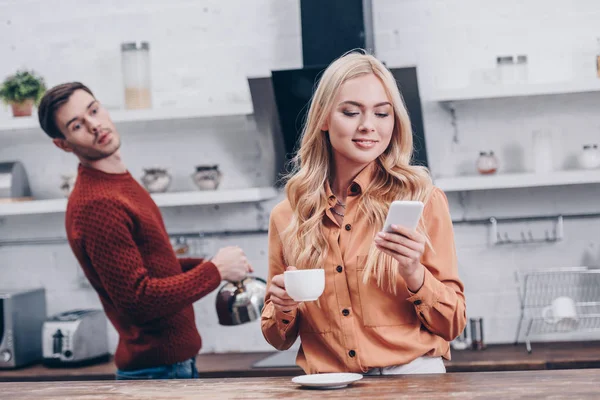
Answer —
327 381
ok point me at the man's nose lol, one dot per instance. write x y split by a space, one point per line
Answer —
94 125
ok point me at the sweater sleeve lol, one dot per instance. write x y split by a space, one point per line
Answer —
189 263
108 241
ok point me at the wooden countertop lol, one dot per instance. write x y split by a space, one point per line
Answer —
557 384
506 357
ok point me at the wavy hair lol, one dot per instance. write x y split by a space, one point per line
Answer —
394 177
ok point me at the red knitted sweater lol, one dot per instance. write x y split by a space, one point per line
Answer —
118 236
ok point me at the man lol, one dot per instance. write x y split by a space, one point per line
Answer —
118 235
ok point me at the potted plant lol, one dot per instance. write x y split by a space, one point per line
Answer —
22 90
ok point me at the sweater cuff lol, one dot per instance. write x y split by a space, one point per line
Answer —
210 271
426 296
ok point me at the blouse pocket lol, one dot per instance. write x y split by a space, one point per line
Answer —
380 307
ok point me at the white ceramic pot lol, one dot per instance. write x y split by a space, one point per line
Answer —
156 180
207 177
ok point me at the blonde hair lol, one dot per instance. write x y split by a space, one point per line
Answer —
394 178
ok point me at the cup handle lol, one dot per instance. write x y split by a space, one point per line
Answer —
547 315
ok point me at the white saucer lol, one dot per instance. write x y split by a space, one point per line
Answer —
327 381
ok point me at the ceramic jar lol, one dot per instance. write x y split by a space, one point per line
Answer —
207 177
156 180
487 163
67 185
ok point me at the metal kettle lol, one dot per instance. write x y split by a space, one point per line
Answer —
241 302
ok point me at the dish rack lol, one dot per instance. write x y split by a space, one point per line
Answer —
537 289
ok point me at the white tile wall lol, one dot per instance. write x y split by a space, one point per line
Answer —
202 52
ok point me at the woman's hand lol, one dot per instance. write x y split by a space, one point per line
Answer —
279 297
407 247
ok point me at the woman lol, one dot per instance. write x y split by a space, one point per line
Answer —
392 302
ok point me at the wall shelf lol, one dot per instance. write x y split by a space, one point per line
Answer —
130 116
225 196
522 180
523 90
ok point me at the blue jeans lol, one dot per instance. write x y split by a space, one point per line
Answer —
181 370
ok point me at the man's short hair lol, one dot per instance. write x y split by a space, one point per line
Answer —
53 99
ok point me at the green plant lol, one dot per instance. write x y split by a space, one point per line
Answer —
22 86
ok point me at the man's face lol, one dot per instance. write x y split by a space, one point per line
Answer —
89 132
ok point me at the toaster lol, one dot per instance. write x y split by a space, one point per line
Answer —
76 337
22 314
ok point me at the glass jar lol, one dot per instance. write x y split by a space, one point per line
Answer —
487 163
506 69
135 63
521 69
589 158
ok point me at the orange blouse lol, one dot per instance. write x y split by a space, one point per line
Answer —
360 326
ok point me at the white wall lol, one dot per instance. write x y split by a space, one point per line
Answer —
202 52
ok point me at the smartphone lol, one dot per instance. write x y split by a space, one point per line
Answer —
404 213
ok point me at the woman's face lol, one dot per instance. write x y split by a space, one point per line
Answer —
361 122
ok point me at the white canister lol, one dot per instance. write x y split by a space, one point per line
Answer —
589 158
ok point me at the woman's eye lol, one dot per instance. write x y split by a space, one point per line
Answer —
95 111
382 115
76 127
350 113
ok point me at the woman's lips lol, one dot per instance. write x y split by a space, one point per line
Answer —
365 143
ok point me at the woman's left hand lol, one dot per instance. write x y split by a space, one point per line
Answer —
407 247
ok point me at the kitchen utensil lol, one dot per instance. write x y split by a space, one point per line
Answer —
76 337
241 302
156 180
304 284
207 177
477 342
333 380
22 313
13 180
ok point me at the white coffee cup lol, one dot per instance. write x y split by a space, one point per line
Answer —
304 284
562 313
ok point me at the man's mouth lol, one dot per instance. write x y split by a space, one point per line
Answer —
103 137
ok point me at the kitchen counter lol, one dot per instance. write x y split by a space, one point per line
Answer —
579 384
506 357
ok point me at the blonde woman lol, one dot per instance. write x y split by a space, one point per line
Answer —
392 302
